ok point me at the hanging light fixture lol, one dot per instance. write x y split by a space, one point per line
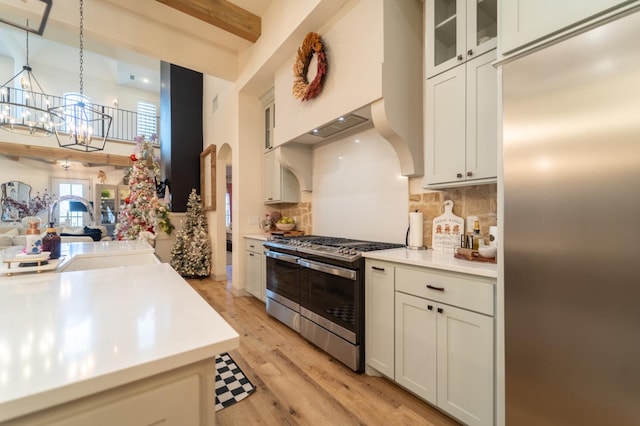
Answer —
26 110
34 8
81 120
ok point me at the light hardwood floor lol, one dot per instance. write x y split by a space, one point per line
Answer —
298 384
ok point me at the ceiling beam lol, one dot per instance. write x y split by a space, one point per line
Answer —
223 14
13 150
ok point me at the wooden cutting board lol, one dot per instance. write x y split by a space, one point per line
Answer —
447 230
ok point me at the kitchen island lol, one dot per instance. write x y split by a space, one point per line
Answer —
125 345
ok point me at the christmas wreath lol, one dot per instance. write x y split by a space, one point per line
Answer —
303 89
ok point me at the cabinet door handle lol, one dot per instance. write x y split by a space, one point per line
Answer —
469 173
459 175
459 57
377 268
429 307
432 287
440 310
470 52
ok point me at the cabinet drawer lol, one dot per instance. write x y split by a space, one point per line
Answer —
465 291
253 245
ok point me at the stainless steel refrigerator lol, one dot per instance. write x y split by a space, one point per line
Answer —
572 230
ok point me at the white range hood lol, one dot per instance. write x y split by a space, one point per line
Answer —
375 51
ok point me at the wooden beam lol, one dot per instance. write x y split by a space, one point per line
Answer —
13 150
222 14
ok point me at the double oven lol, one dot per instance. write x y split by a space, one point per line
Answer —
315 285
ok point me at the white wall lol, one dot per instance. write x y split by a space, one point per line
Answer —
358 190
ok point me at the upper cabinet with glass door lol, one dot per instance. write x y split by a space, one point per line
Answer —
269 105
457 31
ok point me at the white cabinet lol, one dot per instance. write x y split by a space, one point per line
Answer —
457 31
174 403
379 317
444 353
183 396
461 125
256 268
524 22
269 124
280 184
269 117
109 200
415 345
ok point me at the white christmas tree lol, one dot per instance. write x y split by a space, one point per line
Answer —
143 212
191 253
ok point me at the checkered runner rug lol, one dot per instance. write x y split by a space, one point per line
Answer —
231 383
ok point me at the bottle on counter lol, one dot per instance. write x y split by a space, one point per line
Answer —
476 235
51 242
33 240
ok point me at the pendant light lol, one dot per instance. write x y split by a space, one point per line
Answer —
85 126
26 110
14 15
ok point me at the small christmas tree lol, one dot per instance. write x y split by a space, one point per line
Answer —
191 253
143 212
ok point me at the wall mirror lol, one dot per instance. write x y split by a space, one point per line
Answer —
15 200
208 178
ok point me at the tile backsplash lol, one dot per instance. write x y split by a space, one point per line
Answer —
478 200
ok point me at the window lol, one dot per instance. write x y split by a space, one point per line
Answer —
69 212
147 119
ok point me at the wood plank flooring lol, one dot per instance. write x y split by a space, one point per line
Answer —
298 384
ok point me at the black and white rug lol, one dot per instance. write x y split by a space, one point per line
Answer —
231 383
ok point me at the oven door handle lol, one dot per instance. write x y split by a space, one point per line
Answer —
328 269
282 256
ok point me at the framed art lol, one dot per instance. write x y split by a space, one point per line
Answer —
208 178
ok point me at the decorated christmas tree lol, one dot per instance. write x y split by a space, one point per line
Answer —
143 213
191 253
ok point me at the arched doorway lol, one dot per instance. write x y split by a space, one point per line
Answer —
224 224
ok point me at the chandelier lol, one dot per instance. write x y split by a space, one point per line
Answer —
37 8
25 110
84 126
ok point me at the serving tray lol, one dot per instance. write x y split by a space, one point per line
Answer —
447 230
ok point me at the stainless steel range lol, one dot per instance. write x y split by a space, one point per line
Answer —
315 285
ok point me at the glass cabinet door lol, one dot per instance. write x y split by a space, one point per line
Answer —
108 210
445 32
482 28
457 31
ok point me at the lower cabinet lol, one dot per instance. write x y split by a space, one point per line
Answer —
379 317
445 355
432 332
255 269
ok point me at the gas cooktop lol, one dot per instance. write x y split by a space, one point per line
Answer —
331 247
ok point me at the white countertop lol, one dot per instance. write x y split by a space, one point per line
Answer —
435 259
262 237
70 252
64 336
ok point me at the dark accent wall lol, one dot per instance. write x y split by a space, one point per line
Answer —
180 131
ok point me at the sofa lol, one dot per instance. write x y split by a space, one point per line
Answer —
16 235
